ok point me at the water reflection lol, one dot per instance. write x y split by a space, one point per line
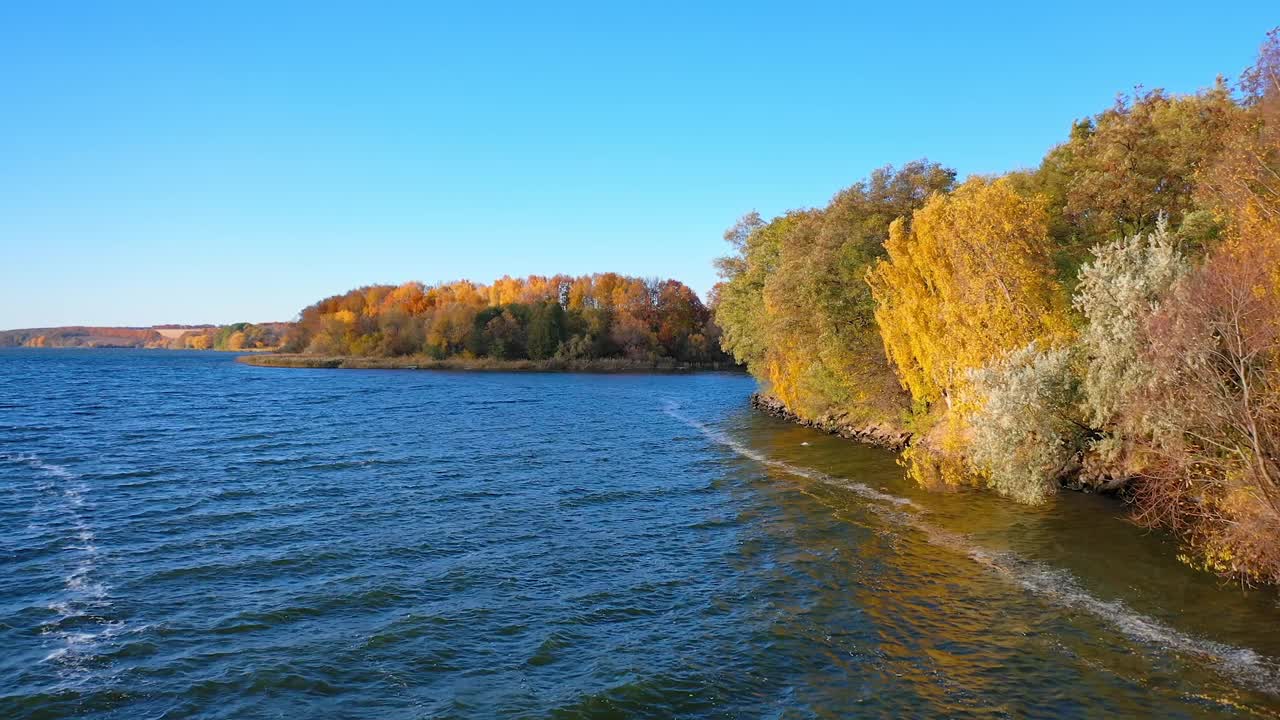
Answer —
1066 608
398 544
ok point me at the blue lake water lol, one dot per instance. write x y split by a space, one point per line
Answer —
185 536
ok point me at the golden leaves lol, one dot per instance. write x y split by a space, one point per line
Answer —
970 280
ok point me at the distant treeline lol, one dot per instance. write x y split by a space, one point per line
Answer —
238 336
1110 318
80 336
535 318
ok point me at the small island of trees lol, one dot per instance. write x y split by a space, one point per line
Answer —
537 318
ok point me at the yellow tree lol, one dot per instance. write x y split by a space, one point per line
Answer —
409 298
580 296
604 286
791 315
971 280
505 290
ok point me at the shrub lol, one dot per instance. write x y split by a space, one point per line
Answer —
1118 292
1025 436
1212 412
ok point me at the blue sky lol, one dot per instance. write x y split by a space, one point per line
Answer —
216 162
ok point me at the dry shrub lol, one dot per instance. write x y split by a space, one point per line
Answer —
1212 412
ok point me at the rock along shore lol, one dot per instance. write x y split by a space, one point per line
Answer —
886 437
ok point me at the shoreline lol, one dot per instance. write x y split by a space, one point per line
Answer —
418 362
132 347
898 440
868 434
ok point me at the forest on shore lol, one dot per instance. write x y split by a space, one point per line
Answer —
1109 319
538 318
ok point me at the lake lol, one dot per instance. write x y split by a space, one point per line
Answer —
185 536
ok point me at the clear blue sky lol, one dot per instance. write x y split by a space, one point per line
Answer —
221 161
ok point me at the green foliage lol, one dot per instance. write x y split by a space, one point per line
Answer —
546 331
740 310
795 306
1124 167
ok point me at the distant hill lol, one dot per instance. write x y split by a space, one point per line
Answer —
238 336
81 336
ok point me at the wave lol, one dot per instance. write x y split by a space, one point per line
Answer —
721 438
1057 586
85 596
1060 587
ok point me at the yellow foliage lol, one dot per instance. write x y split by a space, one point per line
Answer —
937 460
410 298
1253 231
579 293
970 280
345 317
505 290
461 292
783 369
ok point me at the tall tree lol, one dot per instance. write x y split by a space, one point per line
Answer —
969 281
546 330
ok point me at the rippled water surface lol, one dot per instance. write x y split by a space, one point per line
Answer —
184 536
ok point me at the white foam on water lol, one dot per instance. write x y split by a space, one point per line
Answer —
1059 587
84 595
721 438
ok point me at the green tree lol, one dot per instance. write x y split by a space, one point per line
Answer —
546 330
1124 167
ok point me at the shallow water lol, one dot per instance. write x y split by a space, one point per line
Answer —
184 536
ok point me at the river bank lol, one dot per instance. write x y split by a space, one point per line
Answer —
836 424
421 362
1072 476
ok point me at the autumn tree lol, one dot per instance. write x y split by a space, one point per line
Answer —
1211 414
1025 433
795 305
741 311
505 334
1209 417
968 281
1119 290
605 315
1244 183
1135 161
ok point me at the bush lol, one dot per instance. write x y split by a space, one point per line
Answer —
1024 434
1119 290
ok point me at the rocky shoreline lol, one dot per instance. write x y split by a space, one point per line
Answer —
879 435
1072 476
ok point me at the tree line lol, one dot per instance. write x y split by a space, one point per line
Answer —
1110 318
559 317
237 336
